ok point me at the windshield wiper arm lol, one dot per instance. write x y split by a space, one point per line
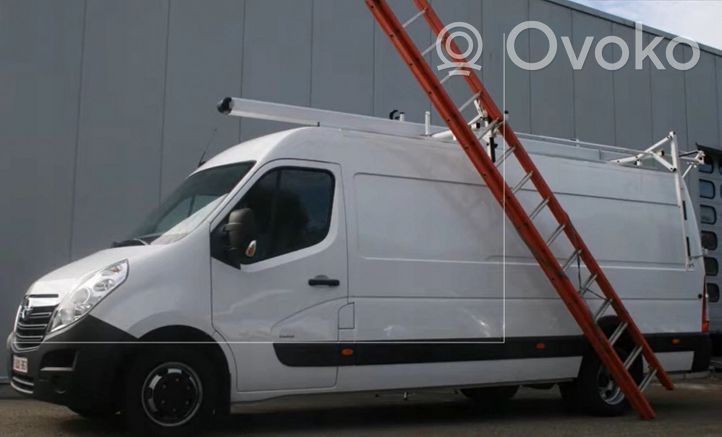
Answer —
136 241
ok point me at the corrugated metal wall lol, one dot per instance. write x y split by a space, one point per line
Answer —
106 106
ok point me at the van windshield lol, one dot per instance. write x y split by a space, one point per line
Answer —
188 205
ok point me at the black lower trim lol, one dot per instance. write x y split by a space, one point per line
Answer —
77 367
702 355
446 350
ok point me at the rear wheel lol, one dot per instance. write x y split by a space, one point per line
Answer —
491 397
595 391
169 392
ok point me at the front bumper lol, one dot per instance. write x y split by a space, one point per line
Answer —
77 368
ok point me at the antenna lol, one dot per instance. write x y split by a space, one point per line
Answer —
202 160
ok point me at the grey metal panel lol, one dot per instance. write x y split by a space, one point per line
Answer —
718 81
394 85
343 57
701 101
593 87
632 97
574 5
204 64
276 57
121 114
40 52
668 101
702 110
467 11
552 88
500 17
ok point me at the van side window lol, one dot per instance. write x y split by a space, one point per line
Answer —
292 207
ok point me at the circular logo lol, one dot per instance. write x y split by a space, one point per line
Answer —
445 45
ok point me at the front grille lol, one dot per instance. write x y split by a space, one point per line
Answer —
32 324
23 384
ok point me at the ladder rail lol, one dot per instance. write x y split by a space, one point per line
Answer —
545 191
443 103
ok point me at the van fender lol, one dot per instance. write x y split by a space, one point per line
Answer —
166 319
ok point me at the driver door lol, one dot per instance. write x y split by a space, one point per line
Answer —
284 299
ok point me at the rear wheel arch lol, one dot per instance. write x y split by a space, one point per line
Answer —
581 394
609 324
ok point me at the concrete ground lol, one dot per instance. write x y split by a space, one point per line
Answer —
694 408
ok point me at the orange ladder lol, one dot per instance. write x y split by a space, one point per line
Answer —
555 271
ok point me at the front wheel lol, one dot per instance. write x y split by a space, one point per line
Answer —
169 392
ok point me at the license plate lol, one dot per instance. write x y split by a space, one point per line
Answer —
20 364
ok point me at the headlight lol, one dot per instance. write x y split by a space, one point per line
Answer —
86 295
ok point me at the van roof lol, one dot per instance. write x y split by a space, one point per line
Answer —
328 144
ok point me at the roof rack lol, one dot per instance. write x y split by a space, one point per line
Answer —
320 117
656 153
302 115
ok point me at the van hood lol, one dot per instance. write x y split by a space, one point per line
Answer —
60 282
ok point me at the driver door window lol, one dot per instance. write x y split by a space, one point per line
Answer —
292 208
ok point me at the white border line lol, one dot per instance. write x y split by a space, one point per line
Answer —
503 200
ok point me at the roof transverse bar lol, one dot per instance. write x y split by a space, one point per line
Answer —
302 115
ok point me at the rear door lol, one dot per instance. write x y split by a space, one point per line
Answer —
278 308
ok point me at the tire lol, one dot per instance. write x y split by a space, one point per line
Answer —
169 392
569 397
594 391
492 398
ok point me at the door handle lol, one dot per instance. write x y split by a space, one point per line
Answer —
322 280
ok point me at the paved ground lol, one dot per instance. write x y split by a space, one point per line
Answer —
695 408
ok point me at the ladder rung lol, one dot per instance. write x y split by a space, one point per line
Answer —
428 49
602 309
415 17
618 333
523 181
632 356
489 128
555 234
539 208
571 259
506 154
588 282
475 120
468 102
647 379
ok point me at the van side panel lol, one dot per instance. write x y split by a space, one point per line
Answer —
433 258
440 282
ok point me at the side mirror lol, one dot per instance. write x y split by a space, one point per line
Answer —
242 231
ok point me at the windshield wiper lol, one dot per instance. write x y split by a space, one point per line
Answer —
143 240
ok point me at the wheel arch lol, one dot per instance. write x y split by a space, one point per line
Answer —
609 324
194 338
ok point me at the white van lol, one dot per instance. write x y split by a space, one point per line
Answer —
324 260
